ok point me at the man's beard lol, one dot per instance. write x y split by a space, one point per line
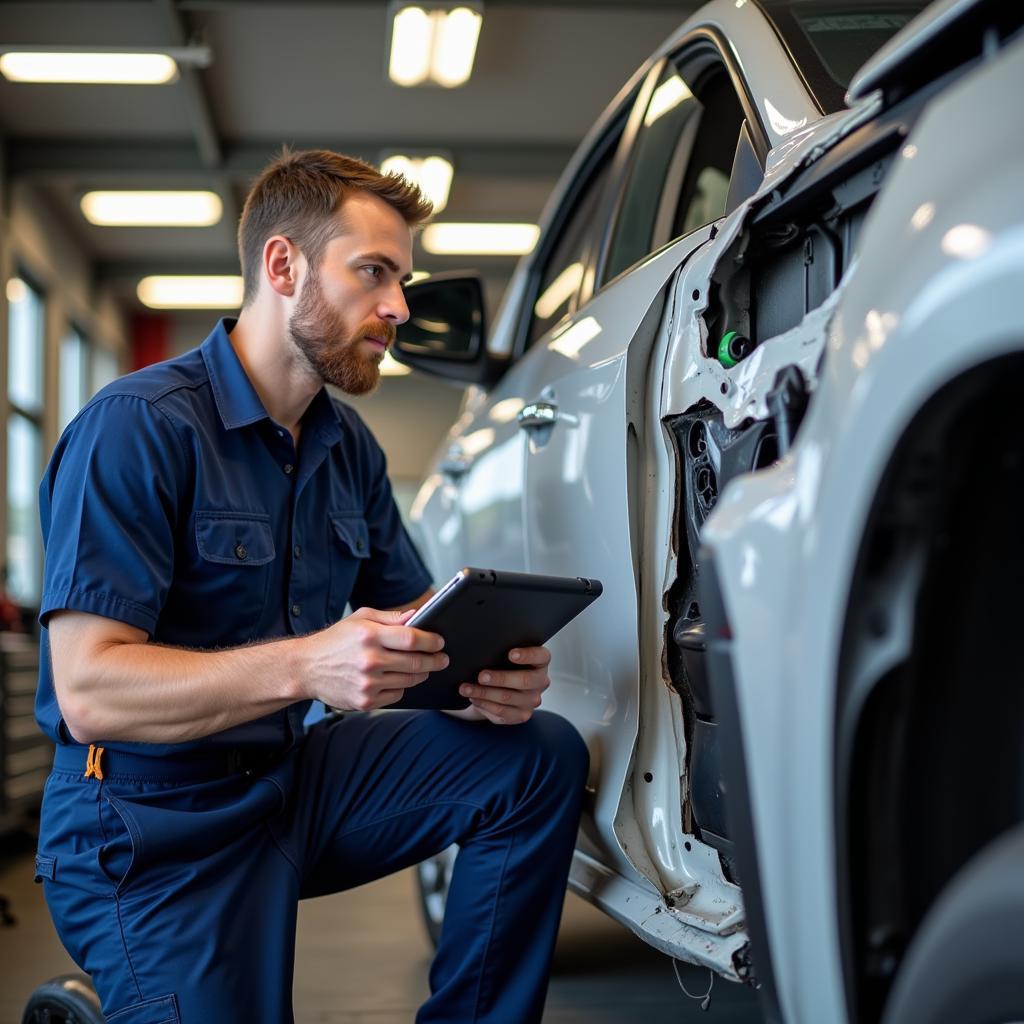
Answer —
335 354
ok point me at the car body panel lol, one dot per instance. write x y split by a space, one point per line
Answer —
785 540
575 472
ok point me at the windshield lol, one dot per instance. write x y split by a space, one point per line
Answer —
830 41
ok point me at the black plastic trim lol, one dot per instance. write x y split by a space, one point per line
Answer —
747 171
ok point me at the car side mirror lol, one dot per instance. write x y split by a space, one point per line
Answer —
444 335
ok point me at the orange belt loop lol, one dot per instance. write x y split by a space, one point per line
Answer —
92 763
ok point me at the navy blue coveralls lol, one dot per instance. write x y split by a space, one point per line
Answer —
174 503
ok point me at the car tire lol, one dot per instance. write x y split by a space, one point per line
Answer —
69 999
965 964
433 877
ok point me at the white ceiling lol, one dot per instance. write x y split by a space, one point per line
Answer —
308 74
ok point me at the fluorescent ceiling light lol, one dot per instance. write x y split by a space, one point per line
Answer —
152 209
418 275
182 292
391 367
412 36
433 174
669 94
89 68
480 239
560 291
455 38
438 45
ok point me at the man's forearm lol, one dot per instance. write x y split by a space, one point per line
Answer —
151 694
113 685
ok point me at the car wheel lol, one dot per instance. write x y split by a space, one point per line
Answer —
965 964
69 999
433 877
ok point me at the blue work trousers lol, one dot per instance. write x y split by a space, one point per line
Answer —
180 899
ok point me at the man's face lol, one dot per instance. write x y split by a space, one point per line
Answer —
349 306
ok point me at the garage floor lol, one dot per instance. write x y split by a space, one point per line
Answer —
362 959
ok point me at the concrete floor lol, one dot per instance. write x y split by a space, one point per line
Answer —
353 969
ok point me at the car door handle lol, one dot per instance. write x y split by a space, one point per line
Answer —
537 415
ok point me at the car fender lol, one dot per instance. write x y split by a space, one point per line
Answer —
934 292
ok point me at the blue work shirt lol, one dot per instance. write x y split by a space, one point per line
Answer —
173 502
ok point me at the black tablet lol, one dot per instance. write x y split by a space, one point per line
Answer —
482 615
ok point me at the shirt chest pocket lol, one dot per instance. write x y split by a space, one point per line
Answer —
348 546
236 554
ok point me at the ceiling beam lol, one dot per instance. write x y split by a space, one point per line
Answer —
200 112
37 158
198 105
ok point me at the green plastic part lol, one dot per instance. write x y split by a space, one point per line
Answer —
724 355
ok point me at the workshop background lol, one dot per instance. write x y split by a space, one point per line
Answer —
83 301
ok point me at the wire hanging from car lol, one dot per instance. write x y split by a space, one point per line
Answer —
705 1000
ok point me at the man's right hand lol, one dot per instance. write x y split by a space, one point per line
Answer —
369 659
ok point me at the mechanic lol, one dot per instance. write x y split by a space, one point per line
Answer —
206 520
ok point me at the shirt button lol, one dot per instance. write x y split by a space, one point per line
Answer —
297 551
288 467
240 553
296 610
360 545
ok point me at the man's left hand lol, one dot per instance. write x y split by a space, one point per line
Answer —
509 696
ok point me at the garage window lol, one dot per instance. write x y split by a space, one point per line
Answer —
25 344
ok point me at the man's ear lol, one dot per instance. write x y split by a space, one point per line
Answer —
282 265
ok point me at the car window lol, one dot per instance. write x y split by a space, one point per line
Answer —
680 166
659 160
565 266
706 185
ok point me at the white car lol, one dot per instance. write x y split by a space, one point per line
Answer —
762 376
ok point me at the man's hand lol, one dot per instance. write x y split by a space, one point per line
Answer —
509 696
369 659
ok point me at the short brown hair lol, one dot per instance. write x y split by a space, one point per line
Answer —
297 195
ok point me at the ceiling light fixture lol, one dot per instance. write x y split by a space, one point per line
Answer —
103 65
455 39
433 174
433 42
480 239
184 292
152 209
